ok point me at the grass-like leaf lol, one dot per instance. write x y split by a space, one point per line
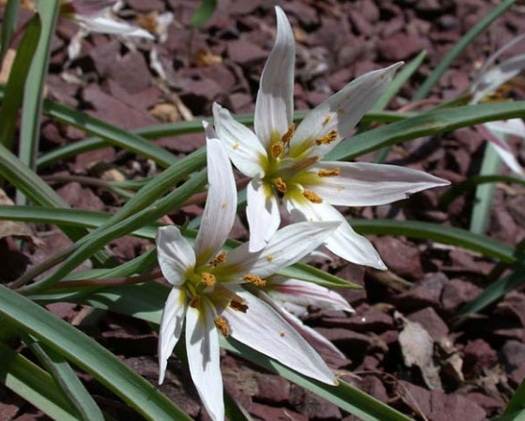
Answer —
9 22
89 356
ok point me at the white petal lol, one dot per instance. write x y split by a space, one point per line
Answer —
368 184
289 245
262 212
306 294
110 26
322 345
490 81
497 136
202 345
221 205
243 147
175 254
170 329
262 329
341 112
344 242
274 105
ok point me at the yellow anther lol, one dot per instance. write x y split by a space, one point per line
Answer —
280 184
327 119
195 301
208 279
277 150
238 306
312 196
289 134
329 173
327 138
254 280
220 258
222 325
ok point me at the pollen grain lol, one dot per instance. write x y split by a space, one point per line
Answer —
327 138
289 134
312 196
280 184
222 325
208 279
254 280
329 173
277 150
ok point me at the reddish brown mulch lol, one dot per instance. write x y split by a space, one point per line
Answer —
401 345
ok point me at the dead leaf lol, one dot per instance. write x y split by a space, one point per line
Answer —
12 228
417 348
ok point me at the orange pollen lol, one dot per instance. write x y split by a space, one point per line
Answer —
312 197
238 306
254 280
222 325
195 301
277 150
329 173
220 258
327 138
280 184
289 134
208 279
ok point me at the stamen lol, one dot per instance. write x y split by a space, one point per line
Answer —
329 173
195 301
327 138
238 306
312 196
254 280
208 279
280 184
327 119
222 325
220 258
289 134
277 150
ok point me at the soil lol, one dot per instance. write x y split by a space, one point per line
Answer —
403 345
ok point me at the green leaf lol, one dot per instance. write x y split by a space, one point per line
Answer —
89 356
516 405
34 385
67 380
34 86
425 124
14 90
482 208
9 22
203 13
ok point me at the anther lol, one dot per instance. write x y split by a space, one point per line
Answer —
277 150
327 138
220 258
238 306
208 279
254 280
312 196
280 184
289 134
222 325
195 301
329 173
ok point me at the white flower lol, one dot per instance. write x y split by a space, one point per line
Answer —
207 295
90 14
486 85
284 162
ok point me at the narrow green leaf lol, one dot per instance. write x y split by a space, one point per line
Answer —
67 380
482 208
516 404
14 90
203 13
9 22
493 292
89 356
34 86
34 385
425 124
459 46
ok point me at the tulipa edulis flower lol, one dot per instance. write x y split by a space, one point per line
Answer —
91 15
285 161
491 85
208 299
